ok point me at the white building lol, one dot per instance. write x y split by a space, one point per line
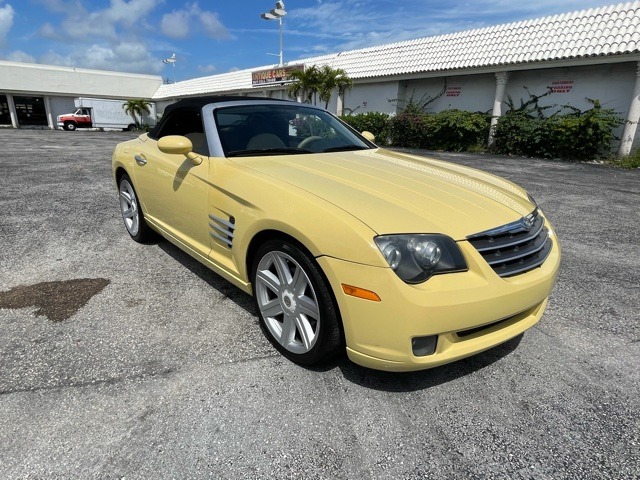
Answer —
589 54
34 95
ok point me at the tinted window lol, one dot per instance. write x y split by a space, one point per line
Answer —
187 123
275 129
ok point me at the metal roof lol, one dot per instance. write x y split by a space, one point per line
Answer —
597 32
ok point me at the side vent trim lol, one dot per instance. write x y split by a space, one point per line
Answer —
223 229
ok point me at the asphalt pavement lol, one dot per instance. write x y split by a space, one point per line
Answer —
120 360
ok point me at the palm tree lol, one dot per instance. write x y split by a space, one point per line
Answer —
306 84
137 108
332 79
316 82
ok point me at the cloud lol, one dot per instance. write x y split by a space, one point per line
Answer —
207 69
20 56
6 22
121 57
79 23
109 38
213 26
180 23
176 24
347 25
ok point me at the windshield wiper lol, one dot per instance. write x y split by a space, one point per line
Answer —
267 151
345 148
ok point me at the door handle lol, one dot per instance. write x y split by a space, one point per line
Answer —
140 160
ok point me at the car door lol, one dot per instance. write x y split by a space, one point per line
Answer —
172 189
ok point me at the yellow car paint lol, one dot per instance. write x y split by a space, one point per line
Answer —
334 204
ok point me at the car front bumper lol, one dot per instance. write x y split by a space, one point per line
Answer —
469 312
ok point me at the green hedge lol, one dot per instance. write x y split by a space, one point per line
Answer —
575 135
523 131
453 130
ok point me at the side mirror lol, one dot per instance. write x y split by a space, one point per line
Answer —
175 145
179 145
369 136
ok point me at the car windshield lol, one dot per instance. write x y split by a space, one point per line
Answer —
283 129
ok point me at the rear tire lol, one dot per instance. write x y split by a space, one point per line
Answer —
298 313
132 214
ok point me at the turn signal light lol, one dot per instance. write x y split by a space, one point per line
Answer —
360 293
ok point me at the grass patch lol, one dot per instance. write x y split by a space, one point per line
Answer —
629 161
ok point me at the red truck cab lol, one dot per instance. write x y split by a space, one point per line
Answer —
81 118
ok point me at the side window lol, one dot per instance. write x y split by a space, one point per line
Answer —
187 123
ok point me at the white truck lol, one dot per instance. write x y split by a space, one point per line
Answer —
102 113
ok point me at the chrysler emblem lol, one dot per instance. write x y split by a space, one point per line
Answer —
528 221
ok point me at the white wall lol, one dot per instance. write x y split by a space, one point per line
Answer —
369 97
60 105
38 79
473 93
612 84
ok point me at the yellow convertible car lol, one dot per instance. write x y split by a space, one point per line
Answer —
406 262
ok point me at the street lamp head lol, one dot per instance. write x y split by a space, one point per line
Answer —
280 5
278 12
268 16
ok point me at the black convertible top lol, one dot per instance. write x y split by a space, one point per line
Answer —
199 102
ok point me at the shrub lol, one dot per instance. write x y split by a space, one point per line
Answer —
575 135
374 122
453 130
457 130
410 129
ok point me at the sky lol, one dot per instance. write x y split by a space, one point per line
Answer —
219 36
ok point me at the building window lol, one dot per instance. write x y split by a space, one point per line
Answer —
30 110
5 115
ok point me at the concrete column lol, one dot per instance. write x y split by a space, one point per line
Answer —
501 86
631 125
340 104
47 109
12 111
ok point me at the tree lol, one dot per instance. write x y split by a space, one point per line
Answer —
137 108
306 84
332 79
314 82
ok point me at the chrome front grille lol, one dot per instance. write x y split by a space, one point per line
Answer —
514 248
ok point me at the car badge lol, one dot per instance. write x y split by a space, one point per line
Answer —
528 221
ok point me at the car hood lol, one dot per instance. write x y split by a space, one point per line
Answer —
397 193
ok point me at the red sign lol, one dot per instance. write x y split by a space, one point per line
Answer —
453 91
561 86
274 75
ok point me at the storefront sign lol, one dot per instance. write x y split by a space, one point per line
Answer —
274 75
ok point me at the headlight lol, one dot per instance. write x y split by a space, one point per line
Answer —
416 257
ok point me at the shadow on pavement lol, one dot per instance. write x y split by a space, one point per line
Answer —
365 377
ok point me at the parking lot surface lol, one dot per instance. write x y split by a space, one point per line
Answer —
120 360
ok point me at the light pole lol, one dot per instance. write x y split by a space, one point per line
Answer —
276 14
172 61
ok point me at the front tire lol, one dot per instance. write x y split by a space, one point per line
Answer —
70 126
297 311
131 212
